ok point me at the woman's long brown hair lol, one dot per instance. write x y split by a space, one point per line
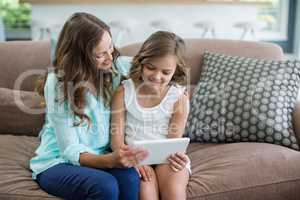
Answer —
75 64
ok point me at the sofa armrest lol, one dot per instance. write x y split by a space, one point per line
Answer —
296 120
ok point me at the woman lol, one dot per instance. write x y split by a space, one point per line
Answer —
73 160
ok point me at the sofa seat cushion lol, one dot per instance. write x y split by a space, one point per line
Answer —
243 171
16 182
219 171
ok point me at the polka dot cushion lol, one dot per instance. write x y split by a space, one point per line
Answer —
244 100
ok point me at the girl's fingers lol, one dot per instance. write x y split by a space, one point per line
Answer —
176 165
148 172
178 160
143 173
173 168
138 171
182 156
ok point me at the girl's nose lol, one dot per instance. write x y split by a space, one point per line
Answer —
157 76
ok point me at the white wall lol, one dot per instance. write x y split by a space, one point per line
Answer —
180 18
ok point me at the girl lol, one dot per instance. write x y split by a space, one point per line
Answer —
153 104
73 160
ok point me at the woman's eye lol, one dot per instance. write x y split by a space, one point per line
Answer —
99 56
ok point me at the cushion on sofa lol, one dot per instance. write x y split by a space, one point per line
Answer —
245 99
21 112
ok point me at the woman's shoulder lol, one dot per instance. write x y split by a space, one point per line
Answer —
51 82
123 64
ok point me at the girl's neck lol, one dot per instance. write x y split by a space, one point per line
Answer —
148 90
149 97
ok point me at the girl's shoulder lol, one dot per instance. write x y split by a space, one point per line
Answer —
178 89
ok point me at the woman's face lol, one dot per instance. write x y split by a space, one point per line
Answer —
103 52
159 71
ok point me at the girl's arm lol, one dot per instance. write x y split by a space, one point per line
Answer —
179 117
118 119
179 161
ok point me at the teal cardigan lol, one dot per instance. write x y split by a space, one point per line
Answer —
61 142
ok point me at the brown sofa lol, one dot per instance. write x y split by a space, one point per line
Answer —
234 171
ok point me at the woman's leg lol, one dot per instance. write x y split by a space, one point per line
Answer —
129 183
172 185
149 189
80 183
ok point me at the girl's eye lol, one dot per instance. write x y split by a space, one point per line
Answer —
166 73
150 67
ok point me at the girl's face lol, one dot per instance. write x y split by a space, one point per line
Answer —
158 72
103 52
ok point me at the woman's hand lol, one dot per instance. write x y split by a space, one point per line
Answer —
126 157
145 172
178 161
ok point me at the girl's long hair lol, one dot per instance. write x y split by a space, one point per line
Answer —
159 44
75 64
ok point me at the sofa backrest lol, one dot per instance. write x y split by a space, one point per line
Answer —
20 57
196 47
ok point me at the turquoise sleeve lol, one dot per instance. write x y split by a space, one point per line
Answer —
124 64
62 120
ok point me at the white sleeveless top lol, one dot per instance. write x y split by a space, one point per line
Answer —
148 123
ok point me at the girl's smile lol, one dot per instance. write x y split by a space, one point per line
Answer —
158 72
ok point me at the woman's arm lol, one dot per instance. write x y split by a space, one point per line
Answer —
179 117
70 147
118 119
120 158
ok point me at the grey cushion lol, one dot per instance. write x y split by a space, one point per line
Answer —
243 99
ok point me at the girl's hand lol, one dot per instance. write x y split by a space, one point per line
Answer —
178 161
126 157
145 172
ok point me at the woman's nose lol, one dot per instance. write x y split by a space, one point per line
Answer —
109 56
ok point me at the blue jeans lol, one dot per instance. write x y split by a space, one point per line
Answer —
82 183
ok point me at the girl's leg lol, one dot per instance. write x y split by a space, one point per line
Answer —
149 189
172 185
80 183
129 183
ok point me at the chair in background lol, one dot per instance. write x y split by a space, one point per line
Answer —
45 31
162 24
208 27
249 29
121 29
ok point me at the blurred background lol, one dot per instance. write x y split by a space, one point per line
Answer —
276 21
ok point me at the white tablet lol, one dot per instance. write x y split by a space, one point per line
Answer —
160 150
